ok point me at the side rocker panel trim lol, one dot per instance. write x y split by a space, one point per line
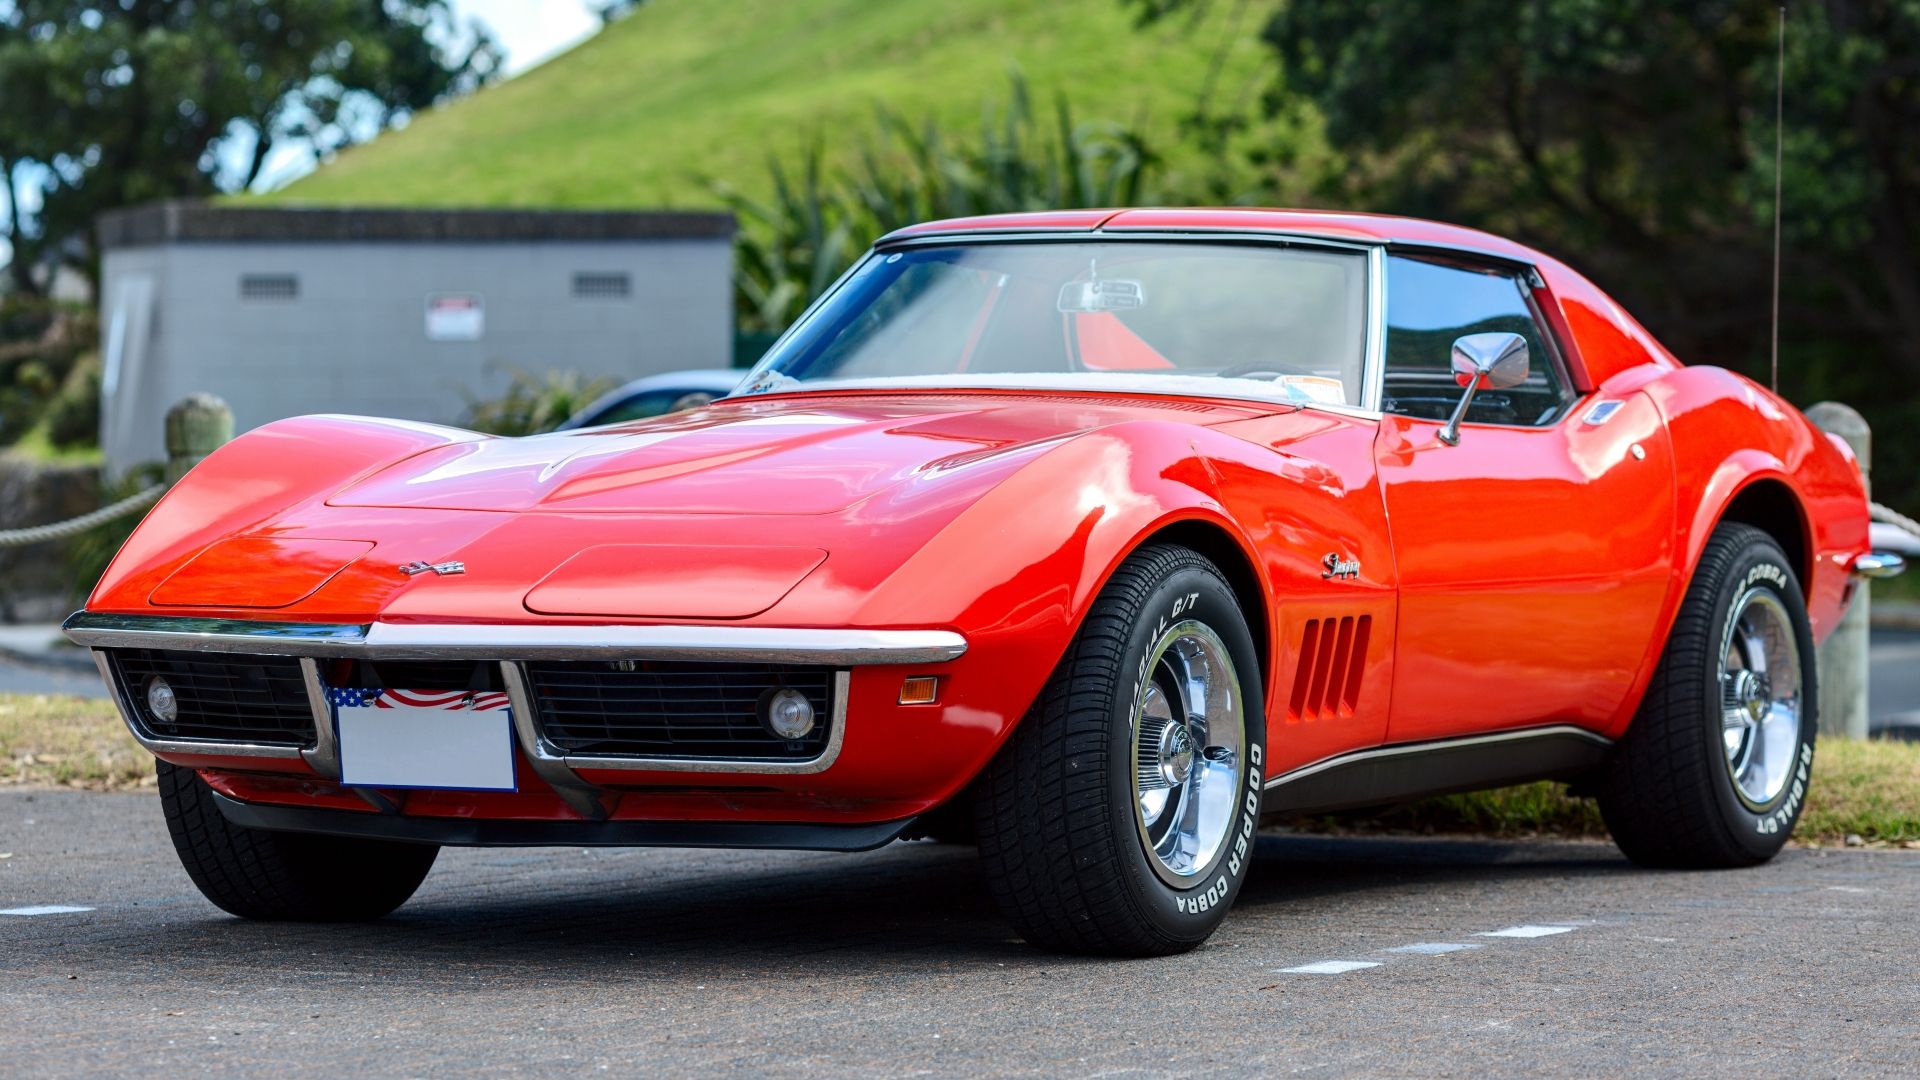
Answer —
1415 770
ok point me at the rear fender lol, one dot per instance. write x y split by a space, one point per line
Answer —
1730 434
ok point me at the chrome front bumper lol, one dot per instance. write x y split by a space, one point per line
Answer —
493 641
510 646
1880 565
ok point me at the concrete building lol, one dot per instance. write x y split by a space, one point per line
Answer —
406 313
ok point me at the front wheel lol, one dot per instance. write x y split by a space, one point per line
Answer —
263 874
1119 817
1713 771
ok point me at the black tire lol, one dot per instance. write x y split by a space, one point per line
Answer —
1060 841
263 874
949 823
1668 793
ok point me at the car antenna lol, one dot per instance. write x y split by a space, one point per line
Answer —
1779 129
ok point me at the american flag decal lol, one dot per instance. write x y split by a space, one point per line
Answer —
386 698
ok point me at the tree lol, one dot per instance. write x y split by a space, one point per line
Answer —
1634 138
105 103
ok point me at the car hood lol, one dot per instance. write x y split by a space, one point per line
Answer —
805 454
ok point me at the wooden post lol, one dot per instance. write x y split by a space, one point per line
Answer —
197 425
1844 657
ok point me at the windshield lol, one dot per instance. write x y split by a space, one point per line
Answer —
1252 320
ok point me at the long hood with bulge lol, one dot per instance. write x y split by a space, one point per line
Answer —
714 514
801 455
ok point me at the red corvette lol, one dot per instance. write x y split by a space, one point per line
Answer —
1093 537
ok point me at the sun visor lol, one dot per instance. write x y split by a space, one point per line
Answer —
669 582
257 572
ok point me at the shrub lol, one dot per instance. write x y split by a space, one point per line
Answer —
73 416
535 403
44 347
792 245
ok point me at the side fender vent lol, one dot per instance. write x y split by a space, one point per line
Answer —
1333 657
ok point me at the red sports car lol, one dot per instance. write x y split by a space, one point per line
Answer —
1092 537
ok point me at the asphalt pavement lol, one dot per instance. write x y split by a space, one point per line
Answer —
35 660
1445 958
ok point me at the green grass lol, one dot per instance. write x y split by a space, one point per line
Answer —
1904 589
685 91
68 742
1866 789
1869 790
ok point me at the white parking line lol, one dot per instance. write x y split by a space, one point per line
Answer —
1431 948
44 909
1329 967
1425 948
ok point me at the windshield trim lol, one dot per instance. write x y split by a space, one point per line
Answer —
1075 382
1373 365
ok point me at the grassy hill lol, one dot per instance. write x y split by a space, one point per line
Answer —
686 90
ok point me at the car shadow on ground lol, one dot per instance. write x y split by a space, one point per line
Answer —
572 913
1291 868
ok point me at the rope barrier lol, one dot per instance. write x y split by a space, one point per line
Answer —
1889 516
40 534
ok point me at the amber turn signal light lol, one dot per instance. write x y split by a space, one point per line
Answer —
920 690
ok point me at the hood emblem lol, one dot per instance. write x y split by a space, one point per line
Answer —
1338 567
440 569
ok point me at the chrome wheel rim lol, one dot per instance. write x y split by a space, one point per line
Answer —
1189 750
1760 706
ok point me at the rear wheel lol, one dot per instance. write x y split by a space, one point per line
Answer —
1119 817
263 874
1714 770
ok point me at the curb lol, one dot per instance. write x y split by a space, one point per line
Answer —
48 661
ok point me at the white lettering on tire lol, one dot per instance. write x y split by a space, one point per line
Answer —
1782 819
1242 842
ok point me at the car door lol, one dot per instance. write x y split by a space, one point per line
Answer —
1534 555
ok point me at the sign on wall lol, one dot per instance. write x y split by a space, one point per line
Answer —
455 317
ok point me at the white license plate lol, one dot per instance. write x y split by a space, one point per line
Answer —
447 739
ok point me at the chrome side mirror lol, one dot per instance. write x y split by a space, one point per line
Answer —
1496 360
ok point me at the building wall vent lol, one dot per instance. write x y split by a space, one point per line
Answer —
596 285
269 287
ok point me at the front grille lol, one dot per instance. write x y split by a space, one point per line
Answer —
254 699
673 709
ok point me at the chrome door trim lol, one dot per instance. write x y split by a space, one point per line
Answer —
1374 373
506 641
1554 731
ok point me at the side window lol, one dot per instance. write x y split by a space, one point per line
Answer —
1430 304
